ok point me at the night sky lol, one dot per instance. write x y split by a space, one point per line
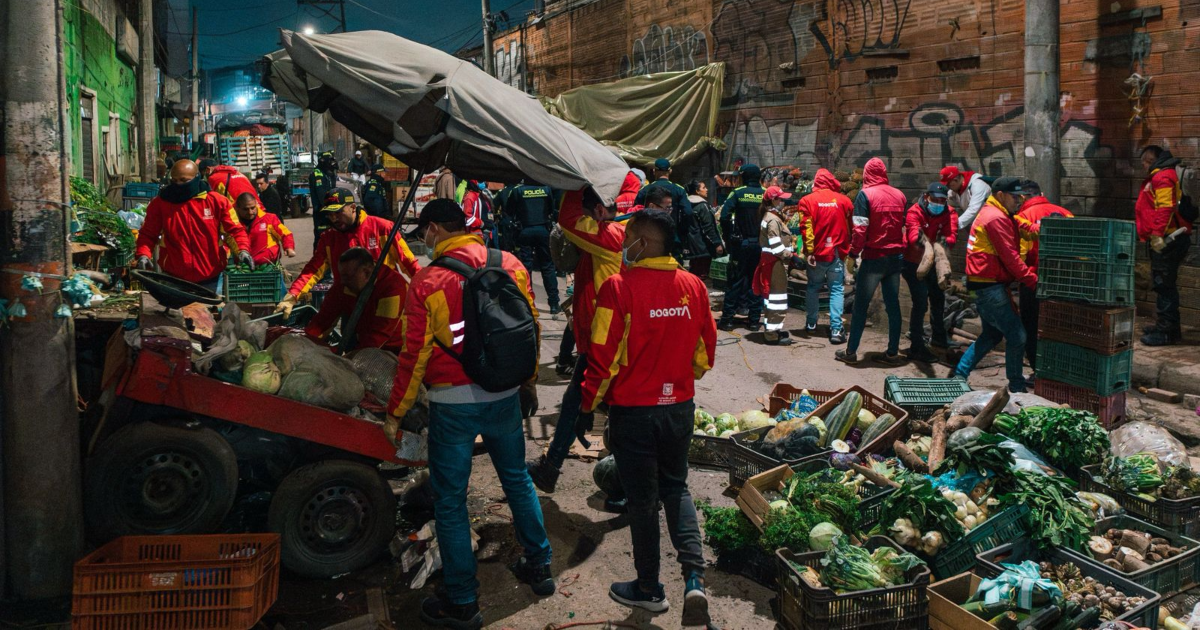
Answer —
234 32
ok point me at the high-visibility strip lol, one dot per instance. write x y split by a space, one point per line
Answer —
778 249
457 326
774 240
458 339
776 307
777 296
774 327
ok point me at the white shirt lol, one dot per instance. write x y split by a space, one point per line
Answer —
976 194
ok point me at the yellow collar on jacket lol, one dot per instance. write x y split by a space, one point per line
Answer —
992 201
661 263
455 242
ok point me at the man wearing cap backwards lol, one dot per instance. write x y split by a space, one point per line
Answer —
740 224
1034 207
968 193
932 217
776 245
993 262
322 180
459 411
186 221
350 226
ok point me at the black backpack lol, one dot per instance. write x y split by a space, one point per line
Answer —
500 345
1187 205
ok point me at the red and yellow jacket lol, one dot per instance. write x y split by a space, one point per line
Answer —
653 336
230 182
918 220
267 233
826 216
599 257
1029 225
379 326
1157 207
189 235
993 252
626 200
369 232
433 310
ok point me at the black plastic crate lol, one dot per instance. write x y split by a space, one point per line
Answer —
1181 516
706 450
1167 577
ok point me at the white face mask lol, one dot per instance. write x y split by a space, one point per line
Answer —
625 255
429 238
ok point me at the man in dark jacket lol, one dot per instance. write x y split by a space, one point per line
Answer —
534 212
268 196
739 222
375 193
320 183
358 165
706 225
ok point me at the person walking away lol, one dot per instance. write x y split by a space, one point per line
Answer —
358 166
264 230
379 326
931 217
532 209
445 186
653 336
993 262
590 225
283 188
320 183
770 278
879 211
1033 208
460 409
228 181
688 241
1158 216
268 196
627 199
375 194
825 214
967 193
739 220
477 208
187 222
706 223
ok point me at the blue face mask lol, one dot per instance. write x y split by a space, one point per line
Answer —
625 258
935 208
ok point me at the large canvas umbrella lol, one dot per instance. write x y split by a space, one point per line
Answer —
431 109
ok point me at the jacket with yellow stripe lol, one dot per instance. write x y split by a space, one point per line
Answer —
379 326
599 258
993 249
369 233
433 310
653 335
1157 207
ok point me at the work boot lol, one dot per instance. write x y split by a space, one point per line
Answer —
436 611
695 602
845 356
892 359
629 594
725 324
753 326
922 354
1152 328
1161 338
537 577
543 474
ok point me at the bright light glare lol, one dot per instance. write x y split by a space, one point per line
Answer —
242 101
308 30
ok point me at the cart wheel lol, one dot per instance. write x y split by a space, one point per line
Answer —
154 479
333 517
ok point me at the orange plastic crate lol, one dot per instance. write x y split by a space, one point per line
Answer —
177 582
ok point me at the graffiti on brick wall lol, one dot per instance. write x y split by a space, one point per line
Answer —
665 49
781 144
510 64
757 40
862 25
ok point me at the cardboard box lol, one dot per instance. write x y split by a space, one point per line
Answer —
945 597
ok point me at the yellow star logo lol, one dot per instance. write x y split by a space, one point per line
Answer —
684 300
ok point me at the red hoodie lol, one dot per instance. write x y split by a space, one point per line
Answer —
629 190
189 235
229 181
943 225
879 214
826 215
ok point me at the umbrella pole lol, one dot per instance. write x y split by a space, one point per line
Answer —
351 323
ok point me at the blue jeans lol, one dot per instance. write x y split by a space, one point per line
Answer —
1000 322
833 275
885 274
452 431
568 416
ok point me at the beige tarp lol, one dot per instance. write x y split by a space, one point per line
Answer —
667 114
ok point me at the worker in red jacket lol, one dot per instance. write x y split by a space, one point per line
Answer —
629 192
825 213
994 262
1160 223
187 223
266 232
652 337
879 215
933 217
379 326
1034 207
227 180
351 227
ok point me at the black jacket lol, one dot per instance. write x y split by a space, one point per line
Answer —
706 223
358 166
271 201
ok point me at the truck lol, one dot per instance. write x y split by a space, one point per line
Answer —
253 141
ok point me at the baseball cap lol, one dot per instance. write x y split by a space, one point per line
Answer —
206 163
949 173
1010 185
937 190
775 192
437 211
358 153
337 198
662 164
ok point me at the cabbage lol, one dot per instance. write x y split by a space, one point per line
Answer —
726 422
820 424
234 359
261 374
755 419
822 535
726 433
701 418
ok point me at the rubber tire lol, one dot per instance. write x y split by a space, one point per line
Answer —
133 444
305 483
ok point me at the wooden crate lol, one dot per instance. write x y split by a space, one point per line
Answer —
752 499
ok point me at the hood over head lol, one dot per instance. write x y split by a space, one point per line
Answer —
1165 160
824 180
632 183
751 175
874 173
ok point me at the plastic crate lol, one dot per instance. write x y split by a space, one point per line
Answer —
746 462
803 607
960 556
719 269
221 581
1109 240
923 397
1167 577
782 395
1103 329
1144 616
706 450
1073 365
1110 410
797 297
260 286
751 563
144 191
877 406
1082 280
755 506
1181 516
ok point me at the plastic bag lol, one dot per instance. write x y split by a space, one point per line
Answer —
314 375
971 403
233 327
376 368
1143 437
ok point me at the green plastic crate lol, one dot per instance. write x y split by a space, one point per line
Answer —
1109 240
1083 280
797 297
1078 366
922 397
959 556
719 270
261 286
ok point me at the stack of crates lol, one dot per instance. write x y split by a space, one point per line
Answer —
1086 322
138 194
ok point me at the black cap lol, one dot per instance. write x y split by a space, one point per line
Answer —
336 199
1010 185
206 163
938 189
437 211
662 164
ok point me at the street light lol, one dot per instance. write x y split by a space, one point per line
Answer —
308 30
242 101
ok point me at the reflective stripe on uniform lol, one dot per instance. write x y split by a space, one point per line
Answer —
772 327
778 249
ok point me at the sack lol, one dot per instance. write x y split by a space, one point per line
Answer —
1187 199
563 252
500 336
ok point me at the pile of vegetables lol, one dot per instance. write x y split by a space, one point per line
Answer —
1067 438
1063 600
798 433
1057 517
1086 593
809 499
723 425
727 530
847 568
1131 550
99 222
925 455
1144 476
919 516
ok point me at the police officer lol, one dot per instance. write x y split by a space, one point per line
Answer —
689 243
375 192
533 210
320 182
739 222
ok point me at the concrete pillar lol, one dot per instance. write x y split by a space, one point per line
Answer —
147 92
1042 159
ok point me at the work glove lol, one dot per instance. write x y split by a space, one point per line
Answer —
244 258
583 424
850 266
529 399
286 305
1157 243
391 428
144 262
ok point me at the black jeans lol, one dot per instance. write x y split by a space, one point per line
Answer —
927 296
740 291
566 347
650 445
535 255
1164 274
1030 310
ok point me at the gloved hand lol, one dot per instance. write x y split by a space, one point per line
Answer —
244 258
850 266
286 305
1157 243
583 424
529 399
391 427
144 262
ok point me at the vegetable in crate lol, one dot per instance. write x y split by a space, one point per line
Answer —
843 417
847 568
1067 438
1180 482
1056 518
822 536
702 419
1136 474
971 450
755 419
727 530
1086 592
801 442
915 509
789 527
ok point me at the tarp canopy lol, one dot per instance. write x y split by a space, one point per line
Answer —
430 109
666 114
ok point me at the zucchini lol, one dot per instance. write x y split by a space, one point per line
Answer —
843 417
877 428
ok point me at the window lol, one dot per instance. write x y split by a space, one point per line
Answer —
87 112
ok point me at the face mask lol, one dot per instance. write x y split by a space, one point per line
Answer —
935 208
181 193
429 239
625 256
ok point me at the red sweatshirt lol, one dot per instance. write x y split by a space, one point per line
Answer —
1029 225
230 182
189 236
1157 207
379 326
599 257
879 215
267 233
629 190
826 216
944 225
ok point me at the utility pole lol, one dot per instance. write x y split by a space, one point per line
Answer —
195 81
326 7
1041 96
43 513
147 92
488 66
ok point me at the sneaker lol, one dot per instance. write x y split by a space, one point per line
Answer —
436 611
725 324
1160 338
555 310
921 354
564 369
837 338
695 603
892 359
538 577
810 328
616 506
846 357
629 594
543 473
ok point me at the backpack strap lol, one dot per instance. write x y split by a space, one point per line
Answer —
453 264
